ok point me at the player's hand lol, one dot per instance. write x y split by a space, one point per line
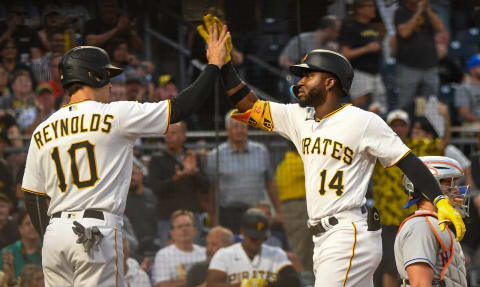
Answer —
446 213
209 21
253 282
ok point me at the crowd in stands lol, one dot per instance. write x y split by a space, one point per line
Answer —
417 65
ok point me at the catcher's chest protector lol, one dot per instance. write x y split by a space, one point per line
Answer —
450 253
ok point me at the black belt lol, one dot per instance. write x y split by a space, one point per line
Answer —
88 213
332 220
435 282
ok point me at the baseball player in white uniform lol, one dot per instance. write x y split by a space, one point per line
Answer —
251 263
339 145
425 255
81 158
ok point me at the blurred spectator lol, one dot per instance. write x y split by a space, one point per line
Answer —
277 236
134 275
140 209
118 92
8 227
52 21
360 43
251 262
167 89
5 93
110 23
173 262
9 55
117 49
423 129
417 57
322 38
291 190
44 106
41 66
218 237
244 173
10 137
22 88
25 37
388 191
27 250
467 96
175 175
134 86
75 13
55 81
31 276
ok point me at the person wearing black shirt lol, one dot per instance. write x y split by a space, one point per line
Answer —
417 59
361 44
110 24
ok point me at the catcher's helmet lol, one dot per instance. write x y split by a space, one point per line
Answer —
442 167
87 65
326 61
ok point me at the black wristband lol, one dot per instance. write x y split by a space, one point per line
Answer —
239 95
230 77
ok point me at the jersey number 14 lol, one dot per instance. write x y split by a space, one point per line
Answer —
336 183
72 151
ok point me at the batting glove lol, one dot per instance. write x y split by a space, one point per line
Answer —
210 20
89 237
446 213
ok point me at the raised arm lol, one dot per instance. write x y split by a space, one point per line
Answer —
193 96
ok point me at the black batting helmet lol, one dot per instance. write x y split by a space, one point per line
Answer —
329 62
87 65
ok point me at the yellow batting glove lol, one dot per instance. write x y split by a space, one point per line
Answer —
210 20
446 213
253 282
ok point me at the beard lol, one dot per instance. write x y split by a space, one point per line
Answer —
313 98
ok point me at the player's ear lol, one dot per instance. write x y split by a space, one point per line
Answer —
330 82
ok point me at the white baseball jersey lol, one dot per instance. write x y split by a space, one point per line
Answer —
81 156
420 240
237 265
339 153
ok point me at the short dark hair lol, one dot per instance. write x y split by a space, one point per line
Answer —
73 88
22 214
426 126
329 21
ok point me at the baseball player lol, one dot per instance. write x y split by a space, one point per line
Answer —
251 263
425 255
339 145
81 158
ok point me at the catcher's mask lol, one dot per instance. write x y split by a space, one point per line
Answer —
447 172
325 61
87 65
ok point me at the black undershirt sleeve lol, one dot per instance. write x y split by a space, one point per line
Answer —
194 95
420 176
36 206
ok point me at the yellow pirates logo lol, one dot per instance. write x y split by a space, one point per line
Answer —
260 226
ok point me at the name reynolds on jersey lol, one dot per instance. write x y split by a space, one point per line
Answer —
73 125
265 275
335 149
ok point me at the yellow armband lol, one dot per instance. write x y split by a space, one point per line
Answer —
258 116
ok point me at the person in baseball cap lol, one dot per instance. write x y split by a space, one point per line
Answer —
255 224
399 121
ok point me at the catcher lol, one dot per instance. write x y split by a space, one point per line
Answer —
425 255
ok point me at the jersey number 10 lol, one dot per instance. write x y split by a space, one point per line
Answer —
90 150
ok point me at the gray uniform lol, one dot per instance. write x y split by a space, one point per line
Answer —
417 242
